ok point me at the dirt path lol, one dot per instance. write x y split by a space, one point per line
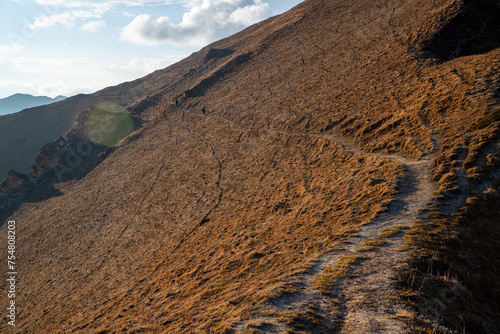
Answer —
361 299
358 275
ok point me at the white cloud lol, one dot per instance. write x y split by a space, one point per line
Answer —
66 19
93 26
127 14
107 3
12 48
145 66
202 24
49 67
70 76
44 21
249 15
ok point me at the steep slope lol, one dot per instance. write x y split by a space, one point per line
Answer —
279 209
23 134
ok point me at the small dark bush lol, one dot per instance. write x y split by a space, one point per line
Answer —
492 117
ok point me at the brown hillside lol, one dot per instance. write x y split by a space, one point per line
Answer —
328 131
23 133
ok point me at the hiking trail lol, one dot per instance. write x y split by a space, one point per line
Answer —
362 299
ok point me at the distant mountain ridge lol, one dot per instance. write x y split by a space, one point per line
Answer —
18 102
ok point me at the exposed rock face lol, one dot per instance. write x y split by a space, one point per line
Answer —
49 156
66 158
14 180
75 149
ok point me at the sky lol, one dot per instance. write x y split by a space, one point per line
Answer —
67 47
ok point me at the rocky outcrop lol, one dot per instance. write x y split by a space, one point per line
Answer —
15 179
68 157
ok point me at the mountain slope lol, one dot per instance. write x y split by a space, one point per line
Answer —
18 102
23 134
315 121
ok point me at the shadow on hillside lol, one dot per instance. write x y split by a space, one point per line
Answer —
224 70
10 202
406 187
73 165
475 30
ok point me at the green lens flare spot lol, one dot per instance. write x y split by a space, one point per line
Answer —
108 123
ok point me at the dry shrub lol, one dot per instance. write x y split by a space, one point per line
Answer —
487 120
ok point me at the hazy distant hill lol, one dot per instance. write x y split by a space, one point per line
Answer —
18 102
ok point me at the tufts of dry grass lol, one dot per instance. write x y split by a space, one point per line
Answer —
304 320
447 183
326 281
453 271
371 244
392 231
404 315
271 221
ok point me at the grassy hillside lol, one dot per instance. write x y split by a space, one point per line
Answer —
23 134
454 268
324 126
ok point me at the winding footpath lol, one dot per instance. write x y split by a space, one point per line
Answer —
362 300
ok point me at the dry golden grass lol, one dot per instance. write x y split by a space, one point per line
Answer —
239 257
371 244
304 320
196 221
392 231
325 282
404 315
